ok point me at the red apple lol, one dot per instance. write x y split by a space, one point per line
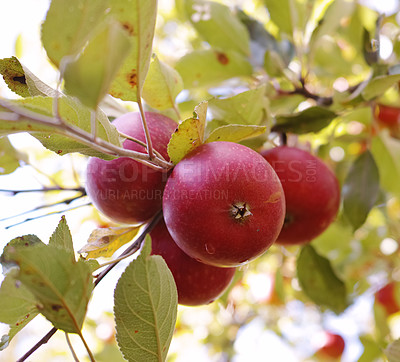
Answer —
333 346
123 189
386 297
312 193
387 115
197 283
223 204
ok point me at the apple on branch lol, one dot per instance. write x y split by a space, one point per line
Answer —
124 189
386 297
223 204
312 193
197 283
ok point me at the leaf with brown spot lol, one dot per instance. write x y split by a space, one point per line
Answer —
138 18
61 286
189 134
104 242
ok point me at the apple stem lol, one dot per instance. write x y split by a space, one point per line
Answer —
143 144
146 129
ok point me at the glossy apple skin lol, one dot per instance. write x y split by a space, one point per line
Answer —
197 283
123 189
387 115
333 347
312 193
387 299
202 194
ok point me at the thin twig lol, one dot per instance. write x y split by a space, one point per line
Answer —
135 246
71 348
37 208
43 341
46 189
145 128
45 215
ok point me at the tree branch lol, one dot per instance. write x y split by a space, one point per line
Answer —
84 137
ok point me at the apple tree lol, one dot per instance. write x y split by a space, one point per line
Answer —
238 163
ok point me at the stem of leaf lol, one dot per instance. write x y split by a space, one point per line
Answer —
145 128
71 348
143 144
87 347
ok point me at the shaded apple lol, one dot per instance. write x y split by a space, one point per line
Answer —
386 115
312 193
386 297
123 189
223 204
332 346
197 283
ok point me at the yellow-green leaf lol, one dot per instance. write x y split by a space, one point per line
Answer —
189 135
104 242
68 26
90 75
163 83
138 17
207 67
235 133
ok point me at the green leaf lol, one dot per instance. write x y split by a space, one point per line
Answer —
22 81
9 157
360 189
319 281
392 351
381 322
274 64
22 241
312 119
71 111
283 14
189 134
145 308
162 85
208 67
18 306
331 21
218 25
61 287
89 76
14 76
386 152
104 242
372 351
138 17
68 26
379 85
61 238
248 108
235 133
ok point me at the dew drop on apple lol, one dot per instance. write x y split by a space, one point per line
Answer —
210 249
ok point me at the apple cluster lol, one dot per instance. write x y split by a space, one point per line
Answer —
223 204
